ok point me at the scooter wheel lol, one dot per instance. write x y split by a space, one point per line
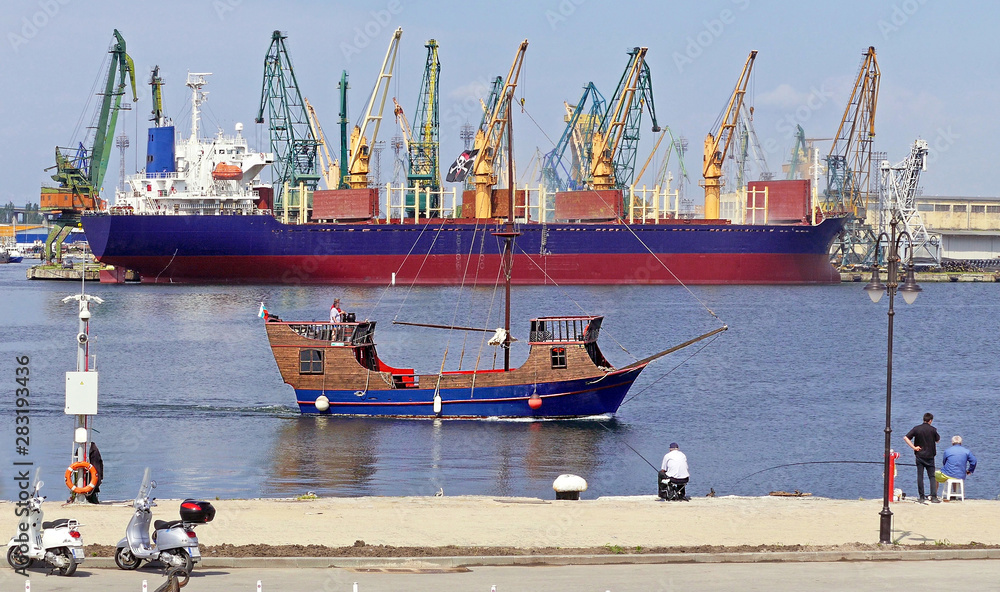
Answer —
124 559
71 568
17 559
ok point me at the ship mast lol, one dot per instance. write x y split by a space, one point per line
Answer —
508 234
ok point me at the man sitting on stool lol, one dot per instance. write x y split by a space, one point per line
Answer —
673 476
959 461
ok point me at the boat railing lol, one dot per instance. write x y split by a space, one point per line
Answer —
574 329
402 203
362 333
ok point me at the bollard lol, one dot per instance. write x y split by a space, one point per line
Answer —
145 586
493 588
27 585
355 583
260 587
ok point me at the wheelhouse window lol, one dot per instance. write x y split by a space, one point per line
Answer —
311 361
558 357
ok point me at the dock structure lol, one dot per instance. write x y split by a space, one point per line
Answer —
928 276
73 272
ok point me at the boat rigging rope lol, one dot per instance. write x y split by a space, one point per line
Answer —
458 302
90 97
664 375
575 302
475 282
641 242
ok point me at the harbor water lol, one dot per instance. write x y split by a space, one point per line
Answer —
188 387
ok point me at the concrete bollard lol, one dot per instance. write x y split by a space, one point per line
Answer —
145 586
568 487
260 586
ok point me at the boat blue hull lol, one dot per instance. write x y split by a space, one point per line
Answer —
571 398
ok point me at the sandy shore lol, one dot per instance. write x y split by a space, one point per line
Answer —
531 522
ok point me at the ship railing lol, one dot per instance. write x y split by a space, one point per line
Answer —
571 329
652 205
362 333
539 205
412 203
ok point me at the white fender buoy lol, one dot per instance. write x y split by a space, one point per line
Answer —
437 403
322 403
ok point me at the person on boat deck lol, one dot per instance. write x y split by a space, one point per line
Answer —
336 314
675 470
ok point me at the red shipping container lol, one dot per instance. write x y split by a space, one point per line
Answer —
345 204
589 205
498 203
787 201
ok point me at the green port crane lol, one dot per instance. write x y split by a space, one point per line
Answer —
424 148
80 171
158 118
294 172
615 143
342 87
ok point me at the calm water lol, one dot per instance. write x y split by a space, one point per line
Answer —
189 388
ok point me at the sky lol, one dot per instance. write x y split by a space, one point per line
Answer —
938 61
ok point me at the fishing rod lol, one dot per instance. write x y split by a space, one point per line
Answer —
632 449
819 462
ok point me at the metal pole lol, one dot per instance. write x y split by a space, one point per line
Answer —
885 520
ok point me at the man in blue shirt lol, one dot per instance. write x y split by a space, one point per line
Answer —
958 460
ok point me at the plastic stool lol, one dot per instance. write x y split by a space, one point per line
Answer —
954 488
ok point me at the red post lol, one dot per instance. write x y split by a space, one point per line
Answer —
893 455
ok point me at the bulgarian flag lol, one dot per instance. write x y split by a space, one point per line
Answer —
262 313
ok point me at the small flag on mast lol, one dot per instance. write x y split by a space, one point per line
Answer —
262 313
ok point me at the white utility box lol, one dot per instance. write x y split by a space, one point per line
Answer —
81 393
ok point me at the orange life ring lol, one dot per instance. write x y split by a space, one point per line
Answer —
93 477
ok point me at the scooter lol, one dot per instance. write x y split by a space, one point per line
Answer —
58 543
174 543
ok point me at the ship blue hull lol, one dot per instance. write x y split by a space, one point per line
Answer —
564 399
260 249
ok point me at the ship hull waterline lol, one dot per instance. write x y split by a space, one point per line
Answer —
594 396
260 249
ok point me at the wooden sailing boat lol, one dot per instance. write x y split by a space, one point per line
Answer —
335 368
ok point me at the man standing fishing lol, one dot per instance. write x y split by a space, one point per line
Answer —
923 440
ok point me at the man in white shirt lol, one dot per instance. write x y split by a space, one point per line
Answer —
674 471
335 313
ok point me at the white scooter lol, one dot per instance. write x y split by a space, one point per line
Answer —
58 543
174 543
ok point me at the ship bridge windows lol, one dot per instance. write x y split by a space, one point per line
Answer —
310 361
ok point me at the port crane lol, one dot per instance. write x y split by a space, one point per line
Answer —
717 144
848 167
292 141
424 146
343 121
359 150
582 119
489 139
615 142
329 169
897 192
80 172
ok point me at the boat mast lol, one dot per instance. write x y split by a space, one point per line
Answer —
508 243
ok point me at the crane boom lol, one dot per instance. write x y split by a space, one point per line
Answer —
490 138
581 122
614 145
329 169
404 125
357 168
714 156
423 149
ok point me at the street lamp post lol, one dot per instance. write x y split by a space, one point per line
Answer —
909 291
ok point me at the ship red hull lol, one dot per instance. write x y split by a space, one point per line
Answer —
741 268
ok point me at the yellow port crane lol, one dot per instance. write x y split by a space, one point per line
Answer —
329 169
357 167
714 156
489 138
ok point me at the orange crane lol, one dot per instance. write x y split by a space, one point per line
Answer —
714 155
328 168
489 138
